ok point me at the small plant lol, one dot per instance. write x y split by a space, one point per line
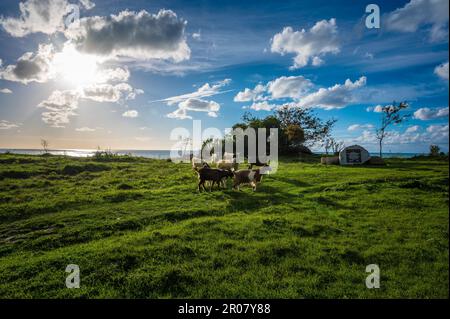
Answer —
45 145
104 154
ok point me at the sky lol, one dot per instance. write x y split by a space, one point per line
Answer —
124 74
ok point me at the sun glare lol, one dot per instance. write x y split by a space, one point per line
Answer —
76 68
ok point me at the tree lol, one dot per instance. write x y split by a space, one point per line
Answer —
331 144
314 129
44 144
390 114
208 143
434 150
297 129
337 146
295 134
327 144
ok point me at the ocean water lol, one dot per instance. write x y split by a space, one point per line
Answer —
157 154
397 155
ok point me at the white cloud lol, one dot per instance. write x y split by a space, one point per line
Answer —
316 61
337 96
377 109
419 13
263 106
196 36
426 113
355 127
110 93
138 35
434 134
308 46
60 106
6 125
298 90
46 16
196 105
437 128
442 71
85 129
289 87
180 114
194 101
251 94
292 87
205 90
413 129
5 91
117 74
130 113
31 67
438 134
87 4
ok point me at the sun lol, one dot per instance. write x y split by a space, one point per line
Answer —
76 68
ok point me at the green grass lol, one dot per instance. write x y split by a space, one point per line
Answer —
138 228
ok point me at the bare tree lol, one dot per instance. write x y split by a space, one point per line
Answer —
390 114
333 145
327 144
44 144
337 146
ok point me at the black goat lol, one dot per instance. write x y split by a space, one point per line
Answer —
212 174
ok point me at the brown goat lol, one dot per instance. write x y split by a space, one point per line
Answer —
247 176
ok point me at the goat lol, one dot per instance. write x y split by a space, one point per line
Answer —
247 176
257 163
198 163
227 165
213 175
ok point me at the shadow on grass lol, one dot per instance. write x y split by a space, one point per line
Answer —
291 181
265 196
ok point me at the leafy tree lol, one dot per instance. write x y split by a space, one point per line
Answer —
297 128
295 134
390 114
208 143
314 129
434 150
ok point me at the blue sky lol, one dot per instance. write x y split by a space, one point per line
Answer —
124 78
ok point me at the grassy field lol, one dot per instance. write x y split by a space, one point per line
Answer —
138 228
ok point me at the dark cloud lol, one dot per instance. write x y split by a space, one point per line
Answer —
130 34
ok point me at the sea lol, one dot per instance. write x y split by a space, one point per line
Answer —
156 154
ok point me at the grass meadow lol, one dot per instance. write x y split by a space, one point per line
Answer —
138 228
